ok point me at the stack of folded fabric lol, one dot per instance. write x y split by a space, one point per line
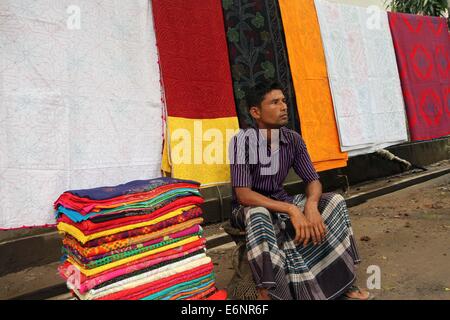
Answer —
139 240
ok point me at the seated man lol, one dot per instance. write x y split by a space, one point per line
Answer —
299 247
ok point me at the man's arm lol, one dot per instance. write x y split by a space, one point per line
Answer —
249 198
303 228
304 167
241 181
313 193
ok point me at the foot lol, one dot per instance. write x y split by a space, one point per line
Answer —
355 293
263 294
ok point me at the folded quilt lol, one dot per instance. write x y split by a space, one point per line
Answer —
86 205
182 257
97 261
91 272
129 209
132 187
190 214
184 290
89 227
85 283
127 242
136 285
148 288
151 274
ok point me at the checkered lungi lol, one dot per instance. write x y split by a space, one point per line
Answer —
324 271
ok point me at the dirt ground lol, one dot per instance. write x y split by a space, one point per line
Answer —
406 234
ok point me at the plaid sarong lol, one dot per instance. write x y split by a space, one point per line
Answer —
320 272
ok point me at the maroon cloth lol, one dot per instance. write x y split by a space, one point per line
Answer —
193 55
422 49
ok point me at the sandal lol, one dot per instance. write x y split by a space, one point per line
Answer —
356 289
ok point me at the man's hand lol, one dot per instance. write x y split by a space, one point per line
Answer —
318 228
301 225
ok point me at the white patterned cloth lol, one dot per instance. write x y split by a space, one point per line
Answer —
80 101
363 75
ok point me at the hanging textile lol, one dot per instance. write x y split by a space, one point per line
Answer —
422 49
309 73
364 78
257 52
198 91
81 101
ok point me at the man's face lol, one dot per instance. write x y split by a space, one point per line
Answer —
273 112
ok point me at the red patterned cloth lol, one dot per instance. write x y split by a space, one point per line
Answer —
185 216
208 293
218 295
422 48
79 254
197 78
86 205
66 269
159 285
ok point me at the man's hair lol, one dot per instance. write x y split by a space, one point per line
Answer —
255 95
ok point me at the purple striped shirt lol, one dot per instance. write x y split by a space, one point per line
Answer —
265 172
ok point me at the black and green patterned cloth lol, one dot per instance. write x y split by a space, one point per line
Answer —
257 52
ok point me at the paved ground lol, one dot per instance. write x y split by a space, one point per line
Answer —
406 234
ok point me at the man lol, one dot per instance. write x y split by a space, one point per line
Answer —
299 247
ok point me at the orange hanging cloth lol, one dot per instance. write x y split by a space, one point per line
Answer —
310 77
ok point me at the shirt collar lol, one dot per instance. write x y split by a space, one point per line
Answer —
282 131
283 135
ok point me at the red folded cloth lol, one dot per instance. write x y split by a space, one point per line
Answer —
185 216
161 284
202 295
218 295
88 227
66 269
86 205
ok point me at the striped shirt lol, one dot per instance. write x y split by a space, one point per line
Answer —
265 172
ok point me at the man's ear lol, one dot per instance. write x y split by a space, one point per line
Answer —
255 112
